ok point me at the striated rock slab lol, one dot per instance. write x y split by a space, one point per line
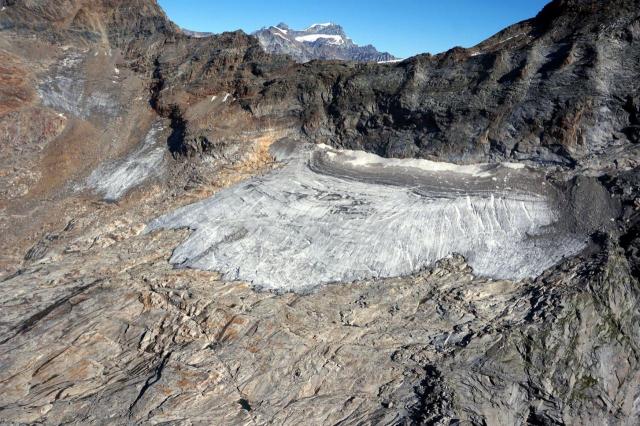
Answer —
97 337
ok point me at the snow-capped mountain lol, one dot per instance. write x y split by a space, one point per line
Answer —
319 41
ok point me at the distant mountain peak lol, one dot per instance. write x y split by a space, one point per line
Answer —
318 41
317 26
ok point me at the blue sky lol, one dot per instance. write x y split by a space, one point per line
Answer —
402 27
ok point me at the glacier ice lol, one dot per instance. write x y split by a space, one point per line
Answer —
115 178
337 216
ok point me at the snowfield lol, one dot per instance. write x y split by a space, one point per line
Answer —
333 39
337 216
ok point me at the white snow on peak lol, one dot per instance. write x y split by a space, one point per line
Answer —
334 39
281 36
280 29
326 24
392 61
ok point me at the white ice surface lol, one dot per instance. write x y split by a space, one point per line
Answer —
114 179
305 224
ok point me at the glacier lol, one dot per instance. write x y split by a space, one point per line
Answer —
330 216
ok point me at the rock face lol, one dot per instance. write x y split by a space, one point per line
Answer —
319 41
557 89
111 116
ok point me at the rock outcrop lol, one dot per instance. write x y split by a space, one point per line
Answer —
559 89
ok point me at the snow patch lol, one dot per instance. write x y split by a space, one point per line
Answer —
323 25
310 38
280 29
512 37
281 36
365 159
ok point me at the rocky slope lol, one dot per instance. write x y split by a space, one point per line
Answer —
559 88
108 100
319 41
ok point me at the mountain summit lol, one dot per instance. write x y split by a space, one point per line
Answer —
319 41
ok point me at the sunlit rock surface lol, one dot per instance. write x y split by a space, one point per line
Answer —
339 216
